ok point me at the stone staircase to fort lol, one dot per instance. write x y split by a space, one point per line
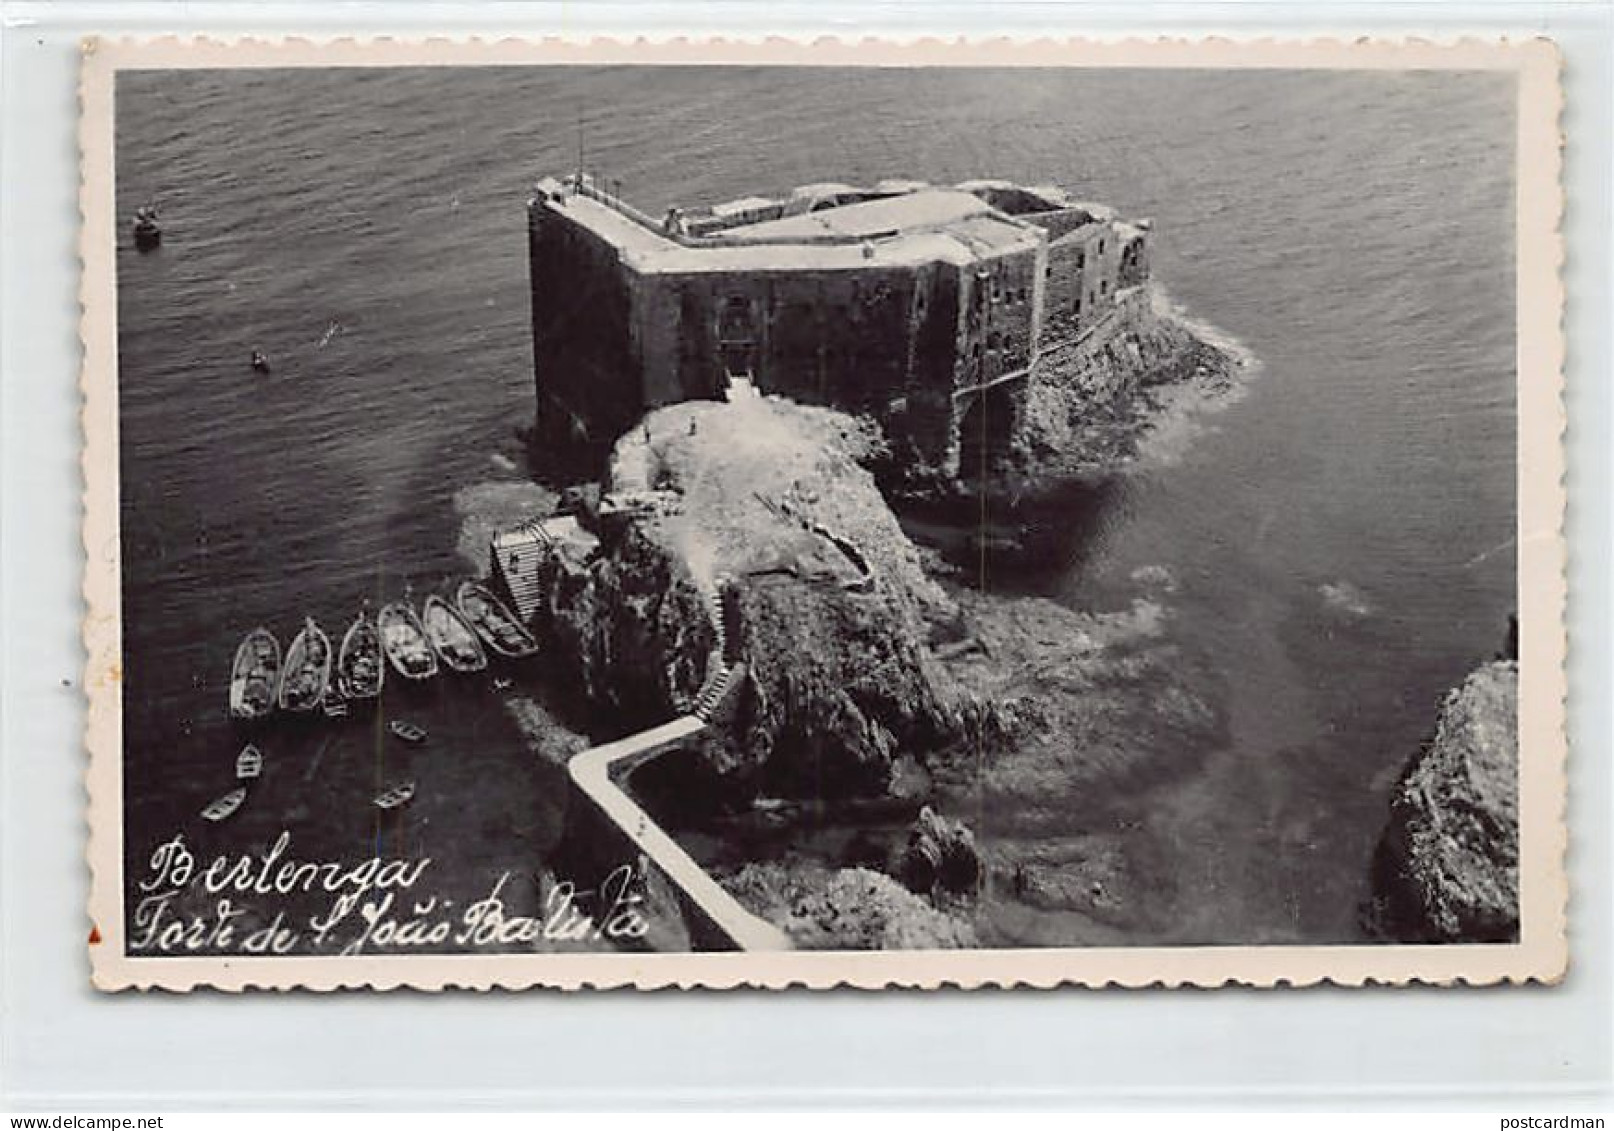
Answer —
720 663
597 771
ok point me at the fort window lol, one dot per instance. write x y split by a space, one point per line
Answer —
1104 286
1101 247
1081 260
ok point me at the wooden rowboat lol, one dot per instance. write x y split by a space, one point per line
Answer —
396 797
225 806
308 669
255 675
498 627
409 732
360 668
452 636
404 642
249 763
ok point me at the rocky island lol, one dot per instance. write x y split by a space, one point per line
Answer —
1447 868
762 383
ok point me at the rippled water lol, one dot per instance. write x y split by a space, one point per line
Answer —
1340 537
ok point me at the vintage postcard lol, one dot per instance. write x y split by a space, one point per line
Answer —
813 515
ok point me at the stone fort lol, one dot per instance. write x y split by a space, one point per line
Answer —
928 308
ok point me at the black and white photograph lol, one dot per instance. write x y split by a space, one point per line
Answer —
591 513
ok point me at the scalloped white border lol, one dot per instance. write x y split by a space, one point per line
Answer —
1541 955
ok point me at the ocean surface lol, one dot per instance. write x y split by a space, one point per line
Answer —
1339 537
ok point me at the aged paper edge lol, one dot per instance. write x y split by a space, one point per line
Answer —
1541 955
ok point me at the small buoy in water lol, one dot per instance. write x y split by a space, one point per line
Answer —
260 363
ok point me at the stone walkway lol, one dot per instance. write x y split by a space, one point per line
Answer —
597 770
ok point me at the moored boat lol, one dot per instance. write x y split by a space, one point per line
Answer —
396 797
495 624
452 636
222 807
409 732
255 676
307 671
249 763
360 670
404 642
148 233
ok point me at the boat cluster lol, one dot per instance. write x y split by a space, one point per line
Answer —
457 635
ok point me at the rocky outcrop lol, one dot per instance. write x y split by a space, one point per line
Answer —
848 909
627 622
940 855
1088 409
1447 869
759 513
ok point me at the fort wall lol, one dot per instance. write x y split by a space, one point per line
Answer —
584 334
904 303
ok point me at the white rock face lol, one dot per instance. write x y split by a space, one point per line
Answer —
1448 867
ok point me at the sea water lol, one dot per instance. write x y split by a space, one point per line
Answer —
1338 539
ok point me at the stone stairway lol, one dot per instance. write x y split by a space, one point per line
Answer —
719 663
595 771
712 694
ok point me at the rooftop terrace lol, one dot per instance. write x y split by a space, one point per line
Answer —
920 226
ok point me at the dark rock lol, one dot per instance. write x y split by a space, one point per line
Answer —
940 853
848 909
1447 868
1086 415
630 627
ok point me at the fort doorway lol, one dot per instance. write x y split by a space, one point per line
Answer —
737 340
985 431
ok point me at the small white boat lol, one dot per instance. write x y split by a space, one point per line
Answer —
396 797
404 642
495 624
452 636
255 675
249 763
148 233
222 807
409 732
360 668
307 671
